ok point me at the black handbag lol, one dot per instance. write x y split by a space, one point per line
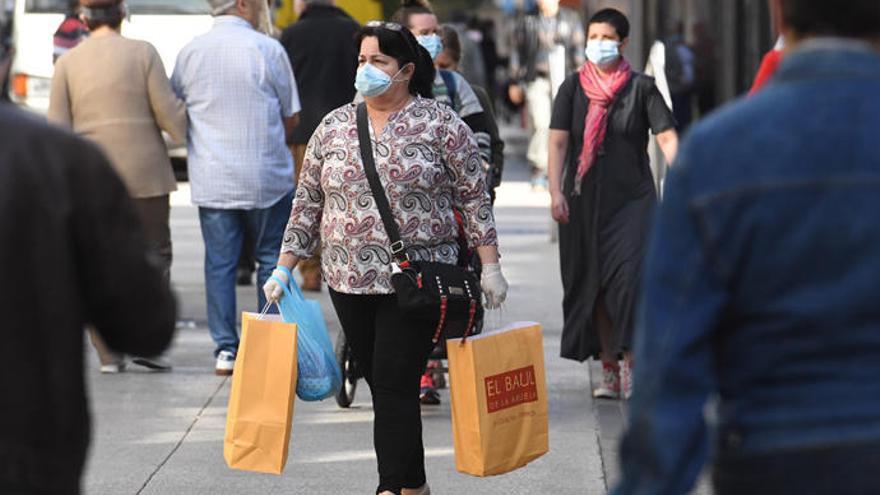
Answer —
442 292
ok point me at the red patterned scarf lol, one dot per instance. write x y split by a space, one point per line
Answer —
601 90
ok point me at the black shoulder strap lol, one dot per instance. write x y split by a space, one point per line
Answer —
363 123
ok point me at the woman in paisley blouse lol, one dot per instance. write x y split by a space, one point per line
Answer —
428 161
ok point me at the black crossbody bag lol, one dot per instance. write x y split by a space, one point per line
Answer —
446 293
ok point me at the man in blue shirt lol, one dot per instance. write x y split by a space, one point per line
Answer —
761 284
242 104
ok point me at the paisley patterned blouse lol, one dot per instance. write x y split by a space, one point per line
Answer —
429 163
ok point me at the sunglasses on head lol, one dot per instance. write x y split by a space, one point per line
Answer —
396 28
392 26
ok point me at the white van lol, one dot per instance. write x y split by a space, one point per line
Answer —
168 24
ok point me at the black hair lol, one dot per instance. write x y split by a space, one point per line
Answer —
403 47
110 15
113 23
615 18
451 42
852 18
409 8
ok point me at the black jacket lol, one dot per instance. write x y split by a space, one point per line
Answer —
497 162
324 55
71 253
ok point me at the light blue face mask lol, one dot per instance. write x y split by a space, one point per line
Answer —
371 81
431 42
603 52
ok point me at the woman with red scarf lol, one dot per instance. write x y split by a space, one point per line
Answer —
603 194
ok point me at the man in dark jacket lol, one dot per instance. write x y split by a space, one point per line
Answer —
323 54
72 253
758 345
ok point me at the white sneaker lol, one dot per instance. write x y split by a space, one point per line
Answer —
225 363
610 387
112 369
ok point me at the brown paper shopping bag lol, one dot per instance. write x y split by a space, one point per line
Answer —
499 400
258 420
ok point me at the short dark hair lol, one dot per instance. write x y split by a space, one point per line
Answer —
113 23
95 24
451 42
852 18
105 15
401 45
613 17
409 8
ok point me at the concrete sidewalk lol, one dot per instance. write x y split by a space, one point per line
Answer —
163 433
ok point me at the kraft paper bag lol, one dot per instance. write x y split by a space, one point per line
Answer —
499 399
258 420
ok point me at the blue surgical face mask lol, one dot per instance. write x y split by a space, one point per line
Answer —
371 81
603 52
431 42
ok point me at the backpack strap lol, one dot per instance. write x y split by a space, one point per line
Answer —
451 87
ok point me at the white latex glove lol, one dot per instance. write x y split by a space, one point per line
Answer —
494 285
272 289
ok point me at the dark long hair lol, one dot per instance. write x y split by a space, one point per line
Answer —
401 45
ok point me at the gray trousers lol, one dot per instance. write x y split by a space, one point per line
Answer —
539 105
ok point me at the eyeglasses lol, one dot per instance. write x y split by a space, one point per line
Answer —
393 26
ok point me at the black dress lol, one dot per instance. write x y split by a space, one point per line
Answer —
602 247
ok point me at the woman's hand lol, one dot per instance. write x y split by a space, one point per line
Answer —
516 94
559 207
555 166
494 285
272 289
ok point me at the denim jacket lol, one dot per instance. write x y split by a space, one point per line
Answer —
762 282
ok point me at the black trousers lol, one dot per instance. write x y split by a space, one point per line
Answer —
391 350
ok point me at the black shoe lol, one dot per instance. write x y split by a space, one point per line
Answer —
429 397
154 363
244 277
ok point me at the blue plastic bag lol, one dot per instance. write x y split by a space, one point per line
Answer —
318 375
